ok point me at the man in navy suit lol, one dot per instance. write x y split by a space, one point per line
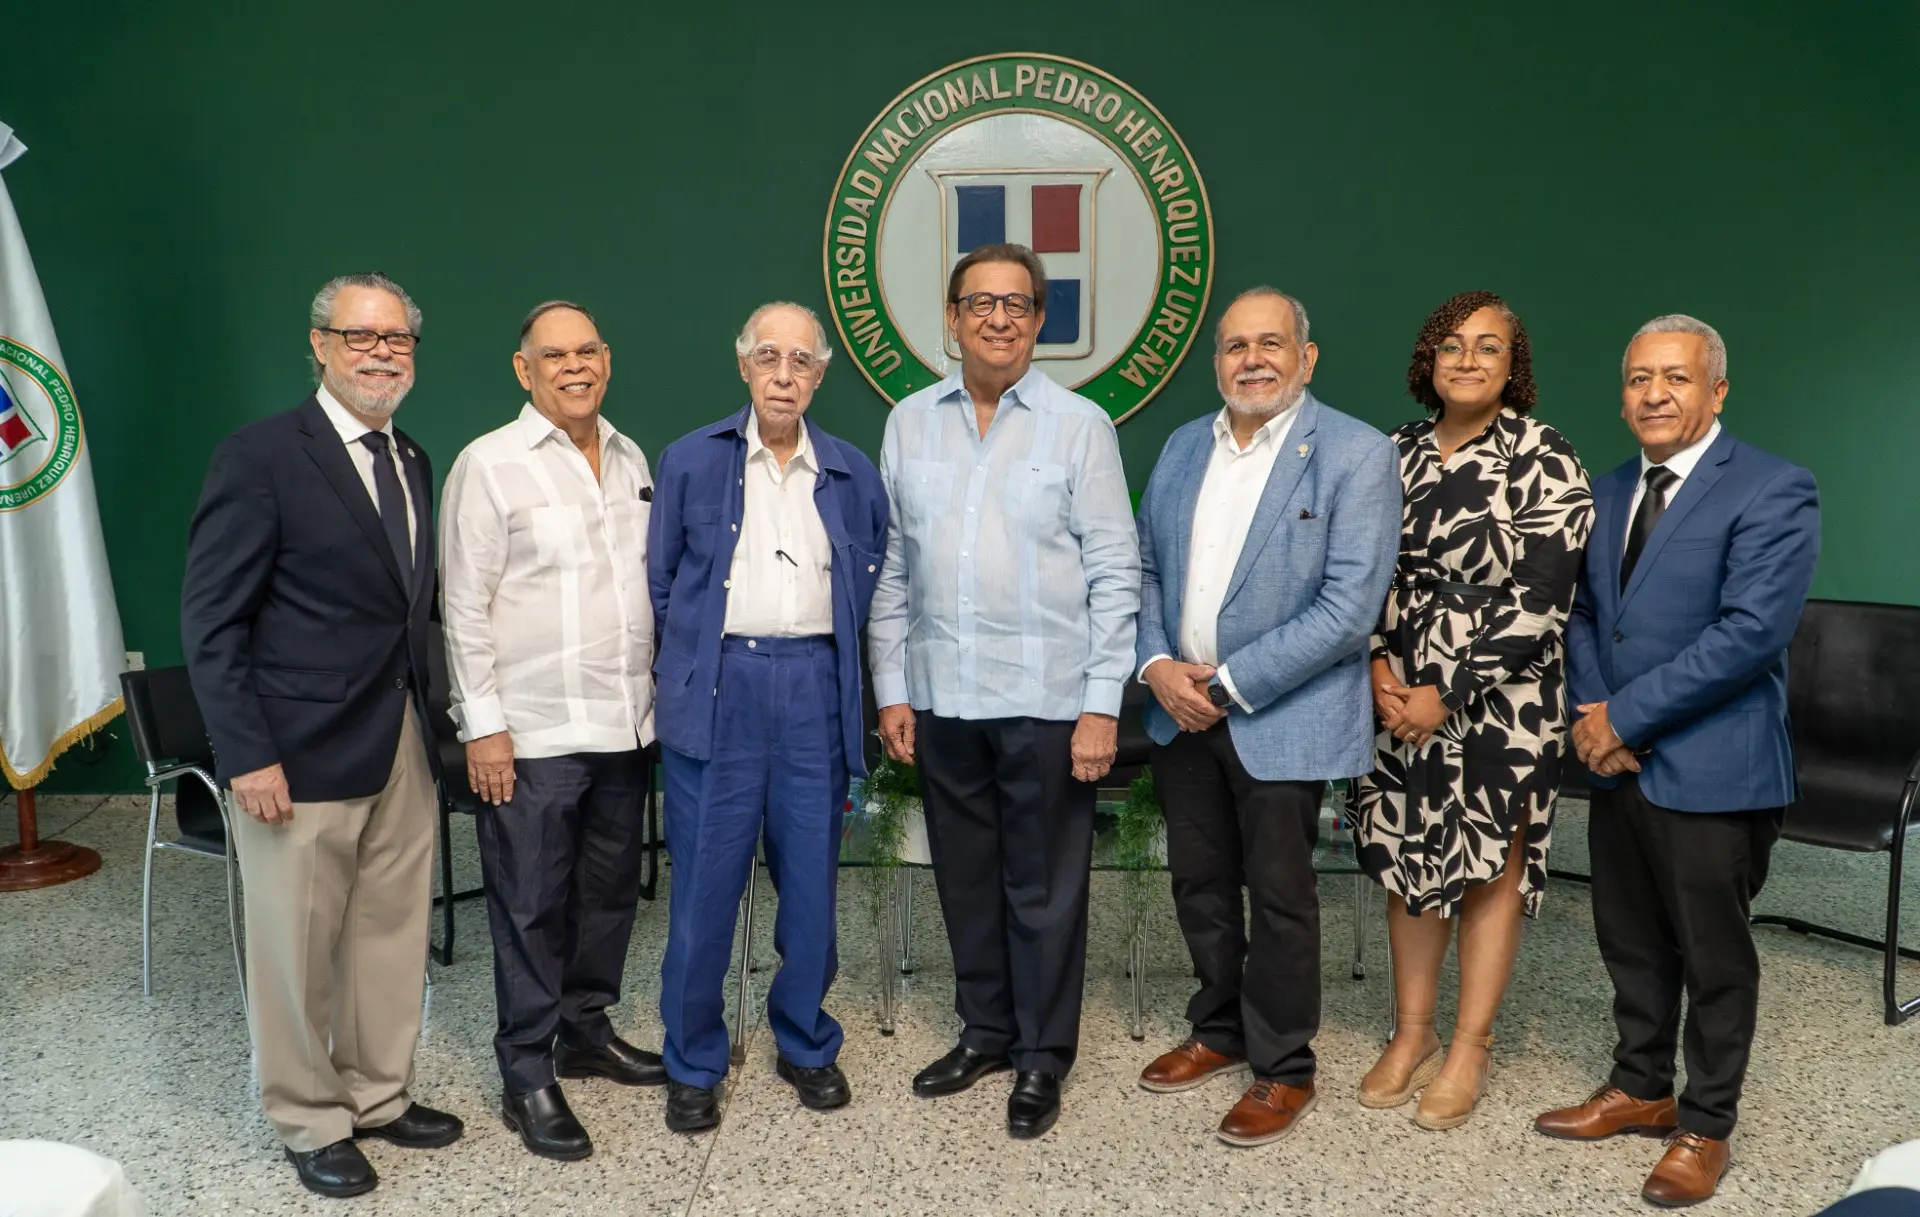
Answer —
1268 535
310 575
762 554
1702 553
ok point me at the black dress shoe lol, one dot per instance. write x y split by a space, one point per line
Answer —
822 1089
1034 1104
691 1108
338 1170
417 1127
619 1060
546 1124
956 1071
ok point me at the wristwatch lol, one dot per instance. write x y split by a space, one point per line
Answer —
1217 694
1451 700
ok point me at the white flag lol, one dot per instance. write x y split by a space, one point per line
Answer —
61 651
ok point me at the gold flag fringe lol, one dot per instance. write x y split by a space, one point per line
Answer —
38 774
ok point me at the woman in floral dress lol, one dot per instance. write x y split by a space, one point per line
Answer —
1468 681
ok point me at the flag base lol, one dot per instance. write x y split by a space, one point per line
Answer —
49 864
35 863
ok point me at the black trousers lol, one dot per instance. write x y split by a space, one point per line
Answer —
1011 833
1671 895
561 861
1259 994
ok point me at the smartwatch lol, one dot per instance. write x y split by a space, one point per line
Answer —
1217 694
1452 701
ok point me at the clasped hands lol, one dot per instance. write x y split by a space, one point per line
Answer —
1599 746
1411 712
1096 740
1182 691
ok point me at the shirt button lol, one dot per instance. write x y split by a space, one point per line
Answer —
969 511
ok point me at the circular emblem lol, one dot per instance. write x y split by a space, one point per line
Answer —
39 425
1041 151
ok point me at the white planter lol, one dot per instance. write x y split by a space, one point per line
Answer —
913 838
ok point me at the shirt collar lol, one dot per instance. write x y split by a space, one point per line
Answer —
349 427
1268 433
1028 391
1681 463
802 454
534 426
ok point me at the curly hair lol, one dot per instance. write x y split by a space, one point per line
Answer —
1519 396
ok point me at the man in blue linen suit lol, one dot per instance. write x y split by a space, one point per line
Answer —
763 550
1268 534
1702 553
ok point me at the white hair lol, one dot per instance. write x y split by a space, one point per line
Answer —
320 313
1680 323
1299 312
750 332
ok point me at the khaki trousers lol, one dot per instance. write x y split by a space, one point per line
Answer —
337 905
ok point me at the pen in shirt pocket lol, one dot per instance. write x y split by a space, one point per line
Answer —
646 494
789 558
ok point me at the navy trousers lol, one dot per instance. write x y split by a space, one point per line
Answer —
778 761
561 860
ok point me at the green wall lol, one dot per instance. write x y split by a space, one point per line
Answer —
198 167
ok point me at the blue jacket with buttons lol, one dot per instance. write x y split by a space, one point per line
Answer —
697 509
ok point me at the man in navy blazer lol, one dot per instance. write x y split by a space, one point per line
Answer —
1268 536
1702 553
303 614
764 547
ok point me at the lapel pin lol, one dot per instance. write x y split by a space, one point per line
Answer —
411 452
1304 449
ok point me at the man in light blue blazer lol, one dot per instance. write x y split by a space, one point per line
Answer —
1268 535
1702 555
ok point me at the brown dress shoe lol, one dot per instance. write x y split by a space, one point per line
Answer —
1608 1112
1267 1112
1689 1173
1186 1067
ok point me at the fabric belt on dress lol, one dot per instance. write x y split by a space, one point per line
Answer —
1473 591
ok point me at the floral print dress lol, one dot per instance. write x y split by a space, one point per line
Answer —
1509 514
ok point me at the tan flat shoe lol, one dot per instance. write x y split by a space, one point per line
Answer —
1447 1104
1380 1088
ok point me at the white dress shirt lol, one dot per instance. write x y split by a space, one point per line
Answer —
351 429
1680 465
544 590
770 595
1236 477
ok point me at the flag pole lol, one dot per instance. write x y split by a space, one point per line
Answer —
35 863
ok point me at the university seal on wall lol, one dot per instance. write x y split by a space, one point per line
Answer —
1046 152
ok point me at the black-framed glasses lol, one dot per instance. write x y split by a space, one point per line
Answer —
400 342
981 304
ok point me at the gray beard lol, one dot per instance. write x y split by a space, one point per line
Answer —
350 395
1290 397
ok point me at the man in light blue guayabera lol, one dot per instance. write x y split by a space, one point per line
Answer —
1268 535
1002 635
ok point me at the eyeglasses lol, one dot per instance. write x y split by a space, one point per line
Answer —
767 358
980 304
1451 351
400 343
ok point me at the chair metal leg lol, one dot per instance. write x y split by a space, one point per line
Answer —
1361 906
1897 1011
446 888
739 1053
146 895
1393 1004
906 921
233 894
889 950
1137 961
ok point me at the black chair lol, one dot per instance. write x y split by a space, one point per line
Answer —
456 794
170 738
1854 693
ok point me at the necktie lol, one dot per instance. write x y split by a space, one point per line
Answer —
1653 505
392 502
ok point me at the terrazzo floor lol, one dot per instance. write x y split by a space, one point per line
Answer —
162 1084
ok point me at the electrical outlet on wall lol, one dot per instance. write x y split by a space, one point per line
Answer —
136 661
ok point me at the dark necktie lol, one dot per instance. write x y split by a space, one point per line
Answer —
392 501
1653 505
